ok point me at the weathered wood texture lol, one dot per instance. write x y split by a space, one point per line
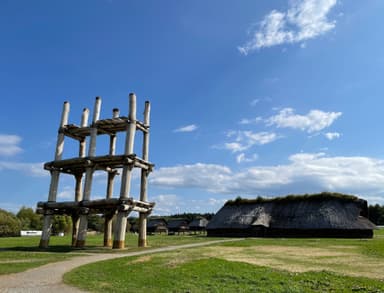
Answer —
125 188
47 225
88 163
144 180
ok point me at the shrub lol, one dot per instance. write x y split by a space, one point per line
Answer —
9 224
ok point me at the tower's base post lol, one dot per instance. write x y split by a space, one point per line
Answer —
120 229
108 230
83 227
142 230
47 226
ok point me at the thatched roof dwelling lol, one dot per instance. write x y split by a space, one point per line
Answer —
198 224
177 225
157 226
319 215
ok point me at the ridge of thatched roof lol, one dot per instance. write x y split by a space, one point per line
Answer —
294 198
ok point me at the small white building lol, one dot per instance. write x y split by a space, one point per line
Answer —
30 233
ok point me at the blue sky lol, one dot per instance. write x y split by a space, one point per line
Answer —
248 98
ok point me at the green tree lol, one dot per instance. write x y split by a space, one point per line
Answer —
96 223
29 219
61 224
9 224
376 214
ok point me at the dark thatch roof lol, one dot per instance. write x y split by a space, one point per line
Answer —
326 211
177 223
156 222
198 223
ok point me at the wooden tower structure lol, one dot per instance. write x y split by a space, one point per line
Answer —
84 166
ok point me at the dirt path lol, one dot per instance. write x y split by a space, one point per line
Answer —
49 278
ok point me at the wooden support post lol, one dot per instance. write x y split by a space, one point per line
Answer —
83 227
44 241
84 123
121 221
144 177
111 176
79 179
75 215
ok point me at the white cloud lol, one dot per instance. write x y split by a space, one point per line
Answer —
242 158
167 204
68 193
304 173
304 20
235 147
246 121
244 140
9 145
33 169
315 120
192 176
187 128
332 135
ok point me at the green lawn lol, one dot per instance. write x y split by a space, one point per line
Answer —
21 253
252 265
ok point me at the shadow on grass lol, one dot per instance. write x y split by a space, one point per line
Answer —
58 248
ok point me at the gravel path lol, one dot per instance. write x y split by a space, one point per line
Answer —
49 278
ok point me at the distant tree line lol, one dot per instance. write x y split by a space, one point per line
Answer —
189 216
27 219
376 214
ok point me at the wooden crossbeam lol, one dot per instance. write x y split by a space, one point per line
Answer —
107 163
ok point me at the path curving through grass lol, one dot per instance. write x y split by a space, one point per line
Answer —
49 278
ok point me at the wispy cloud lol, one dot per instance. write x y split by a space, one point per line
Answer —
315 120
246 121
245 139
304 173
187 128
332 135
254 102
304 20
9 145
242 158
31 169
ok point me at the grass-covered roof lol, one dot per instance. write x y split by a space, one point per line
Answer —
293 198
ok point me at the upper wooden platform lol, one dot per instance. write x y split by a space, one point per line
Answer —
107 163
105 126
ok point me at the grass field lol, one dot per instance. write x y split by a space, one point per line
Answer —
252 265
21 253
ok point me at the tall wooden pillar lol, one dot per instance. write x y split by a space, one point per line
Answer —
83 226
111 176
144 178
121 221
79 179
47 225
